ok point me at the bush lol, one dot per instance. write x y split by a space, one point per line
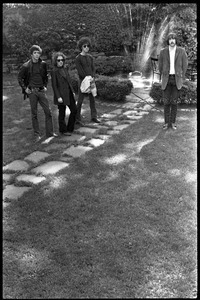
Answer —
112 65
188 93
112 88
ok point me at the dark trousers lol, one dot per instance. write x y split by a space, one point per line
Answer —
72 117
35 97
81 97
170 98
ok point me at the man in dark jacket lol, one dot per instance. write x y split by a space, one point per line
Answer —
63 93
85 67
173 64
33 79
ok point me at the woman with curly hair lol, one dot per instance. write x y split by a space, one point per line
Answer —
63 93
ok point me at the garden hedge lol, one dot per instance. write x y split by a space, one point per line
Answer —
108 88
188 93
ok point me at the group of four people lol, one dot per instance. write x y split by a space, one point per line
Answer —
33 79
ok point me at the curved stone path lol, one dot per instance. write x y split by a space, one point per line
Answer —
57 153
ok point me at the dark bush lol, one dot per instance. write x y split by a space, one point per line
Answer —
112 65
112 88
188 93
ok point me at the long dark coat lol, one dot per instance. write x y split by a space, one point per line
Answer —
181 64
62 86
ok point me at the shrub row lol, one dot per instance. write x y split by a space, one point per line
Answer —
108 88
188 93
112 65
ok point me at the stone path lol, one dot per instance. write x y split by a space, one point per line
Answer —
20 176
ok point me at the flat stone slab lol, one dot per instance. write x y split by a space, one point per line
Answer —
134 117
121 127
96 142
73 138
36 156
103 136
147 107
50 167
141 113
86 130
131 105
17 165
130 112
14 192
116 111
108 116
7 177
30 178
111 123
77 151
111 132
58 146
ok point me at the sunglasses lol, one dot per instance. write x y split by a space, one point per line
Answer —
84 46
60 59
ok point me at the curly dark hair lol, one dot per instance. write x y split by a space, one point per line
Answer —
55 56
82 41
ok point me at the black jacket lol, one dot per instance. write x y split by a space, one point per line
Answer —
25 72
62 86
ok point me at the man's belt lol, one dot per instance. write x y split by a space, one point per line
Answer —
35 89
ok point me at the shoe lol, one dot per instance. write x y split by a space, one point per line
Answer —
174 126
165 126
67 133
37 139
95 120
79 123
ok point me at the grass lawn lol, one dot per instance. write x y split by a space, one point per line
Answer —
119 222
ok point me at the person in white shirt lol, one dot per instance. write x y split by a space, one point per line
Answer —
173 64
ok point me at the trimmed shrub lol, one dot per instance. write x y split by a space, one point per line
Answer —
112 65
188 93
112 88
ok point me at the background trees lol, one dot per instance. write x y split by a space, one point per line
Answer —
120 28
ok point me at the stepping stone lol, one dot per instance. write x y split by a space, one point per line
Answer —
14 192
121 127
134 117
50 167
96 142
130 112
30 178
7 177
116 111
147 107
103 136
111 123
130 122
77 151
131 105
87 130
58 147
111 132
73 138
141 113
11 131
36 156
18 121
108 116
17 165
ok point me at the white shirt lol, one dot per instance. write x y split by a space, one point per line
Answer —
172 51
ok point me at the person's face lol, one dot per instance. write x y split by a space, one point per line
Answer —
86 48
172 41
35 55
60 61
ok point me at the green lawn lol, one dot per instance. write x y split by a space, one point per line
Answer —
119 222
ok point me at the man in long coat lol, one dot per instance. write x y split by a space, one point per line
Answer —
173 64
